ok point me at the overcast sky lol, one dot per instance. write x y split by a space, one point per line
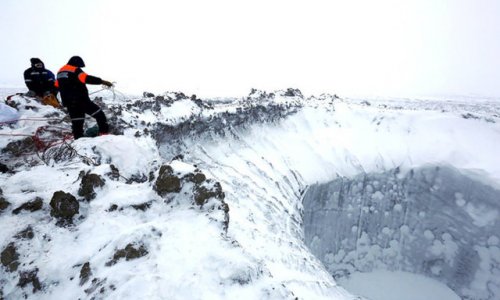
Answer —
226 47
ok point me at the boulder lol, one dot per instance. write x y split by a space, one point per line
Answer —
88 184
167 182
9 257
204 192
64 207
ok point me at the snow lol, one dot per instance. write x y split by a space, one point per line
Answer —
7 113
386 285
263 168
131 156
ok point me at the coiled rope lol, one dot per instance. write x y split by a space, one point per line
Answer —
49 136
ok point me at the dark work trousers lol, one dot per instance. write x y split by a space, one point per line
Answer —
77 111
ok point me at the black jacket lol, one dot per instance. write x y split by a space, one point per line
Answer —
71 82
40 80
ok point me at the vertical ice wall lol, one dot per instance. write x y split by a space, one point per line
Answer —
432 221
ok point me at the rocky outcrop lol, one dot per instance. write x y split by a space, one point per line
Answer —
3 204
9 257
88 185
114 174
20 147
167 182
85 273
28 277
30 206
4 168
203 192
290 92
130 252
64 207
26 234
196 184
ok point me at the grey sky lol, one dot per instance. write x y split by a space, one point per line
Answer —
226 47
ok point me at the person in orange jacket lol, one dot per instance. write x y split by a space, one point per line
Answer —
71 81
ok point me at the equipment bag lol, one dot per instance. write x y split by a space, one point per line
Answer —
51 100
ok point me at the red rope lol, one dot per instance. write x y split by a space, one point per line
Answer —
41 143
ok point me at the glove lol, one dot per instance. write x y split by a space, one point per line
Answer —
31 93
107 83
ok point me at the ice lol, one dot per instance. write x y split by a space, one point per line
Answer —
443 245
386 285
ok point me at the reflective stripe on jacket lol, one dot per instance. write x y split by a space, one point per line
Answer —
39 80
72 81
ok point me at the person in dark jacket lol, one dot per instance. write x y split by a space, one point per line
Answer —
41 82
71 81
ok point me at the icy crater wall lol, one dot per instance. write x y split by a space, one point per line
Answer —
432 221
265 166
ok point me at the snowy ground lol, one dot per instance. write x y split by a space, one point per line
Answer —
264 158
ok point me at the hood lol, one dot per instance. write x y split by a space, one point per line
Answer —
76 61
35 61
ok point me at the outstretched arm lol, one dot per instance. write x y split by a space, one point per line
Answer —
89 79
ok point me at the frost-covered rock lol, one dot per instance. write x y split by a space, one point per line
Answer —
64 207
88 185
9 258
209 189
85 273
3 168
30 278
30 206
20 147
3 204
167 182
26 234
130 252
291 92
